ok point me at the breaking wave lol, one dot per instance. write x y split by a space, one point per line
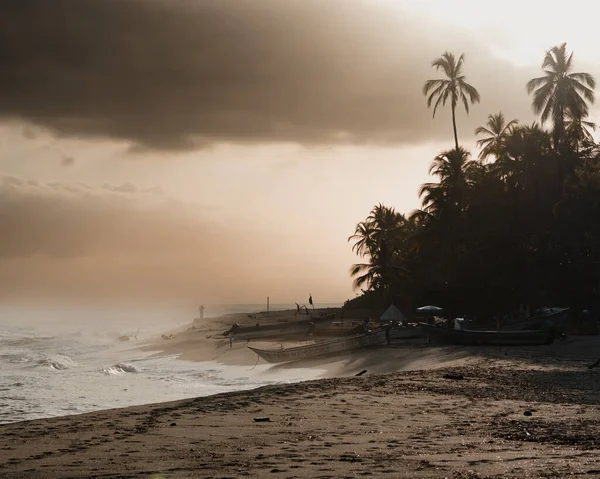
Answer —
58 362
121 368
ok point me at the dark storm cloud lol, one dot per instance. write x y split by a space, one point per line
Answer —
183 74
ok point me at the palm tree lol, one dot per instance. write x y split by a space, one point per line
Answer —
499 132
560 94
526 146
454 87
364 238
454 169
376 238
579 131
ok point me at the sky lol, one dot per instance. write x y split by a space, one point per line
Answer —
222 151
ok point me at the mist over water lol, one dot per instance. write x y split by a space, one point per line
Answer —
61 361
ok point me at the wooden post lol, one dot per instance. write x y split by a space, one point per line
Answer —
267 305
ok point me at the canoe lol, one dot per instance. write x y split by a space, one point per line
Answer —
275 330
470 337
558 319
319 349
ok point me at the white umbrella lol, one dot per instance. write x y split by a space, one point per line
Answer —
429 309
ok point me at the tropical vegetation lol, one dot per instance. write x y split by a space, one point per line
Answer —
517 227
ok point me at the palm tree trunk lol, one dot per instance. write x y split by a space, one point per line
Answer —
558 129
454 126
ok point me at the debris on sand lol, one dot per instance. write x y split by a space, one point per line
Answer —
262 419
454 376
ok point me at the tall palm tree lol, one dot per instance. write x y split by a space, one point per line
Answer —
499 132
559 93
453 87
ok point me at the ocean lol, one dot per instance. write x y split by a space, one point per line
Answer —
62 361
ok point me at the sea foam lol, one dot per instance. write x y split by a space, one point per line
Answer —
58 362
120 368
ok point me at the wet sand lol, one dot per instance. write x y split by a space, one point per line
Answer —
410 424
502 413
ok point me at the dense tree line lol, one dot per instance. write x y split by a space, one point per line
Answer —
518 226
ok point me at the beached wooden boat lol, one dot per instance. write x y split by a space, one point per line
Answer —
325 347
275 330
405 332
557 318
443 335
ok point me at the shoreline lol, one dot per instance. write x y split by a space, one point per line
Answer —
507 418
419 411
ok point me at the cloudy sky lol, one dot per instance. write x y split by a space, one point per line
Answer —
223 150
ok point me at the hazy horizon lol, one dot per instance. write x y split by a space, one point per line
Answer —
221 152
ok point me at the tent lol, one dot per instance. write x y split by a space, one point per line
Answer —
392 314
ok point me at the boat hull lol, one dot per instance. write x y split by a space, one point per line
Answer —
406 333
487 338
319 349
270 333
277 330
558 320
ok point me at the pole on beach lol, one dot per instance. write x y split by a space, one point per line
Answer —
267 305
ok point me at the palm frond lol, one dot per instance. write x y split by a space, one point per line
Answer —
441 99
535 83
431 85
471 91
582 89
482 130
585 78
484 142
465 103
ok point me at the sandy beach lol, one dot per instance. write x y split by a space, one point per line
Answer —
419 411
